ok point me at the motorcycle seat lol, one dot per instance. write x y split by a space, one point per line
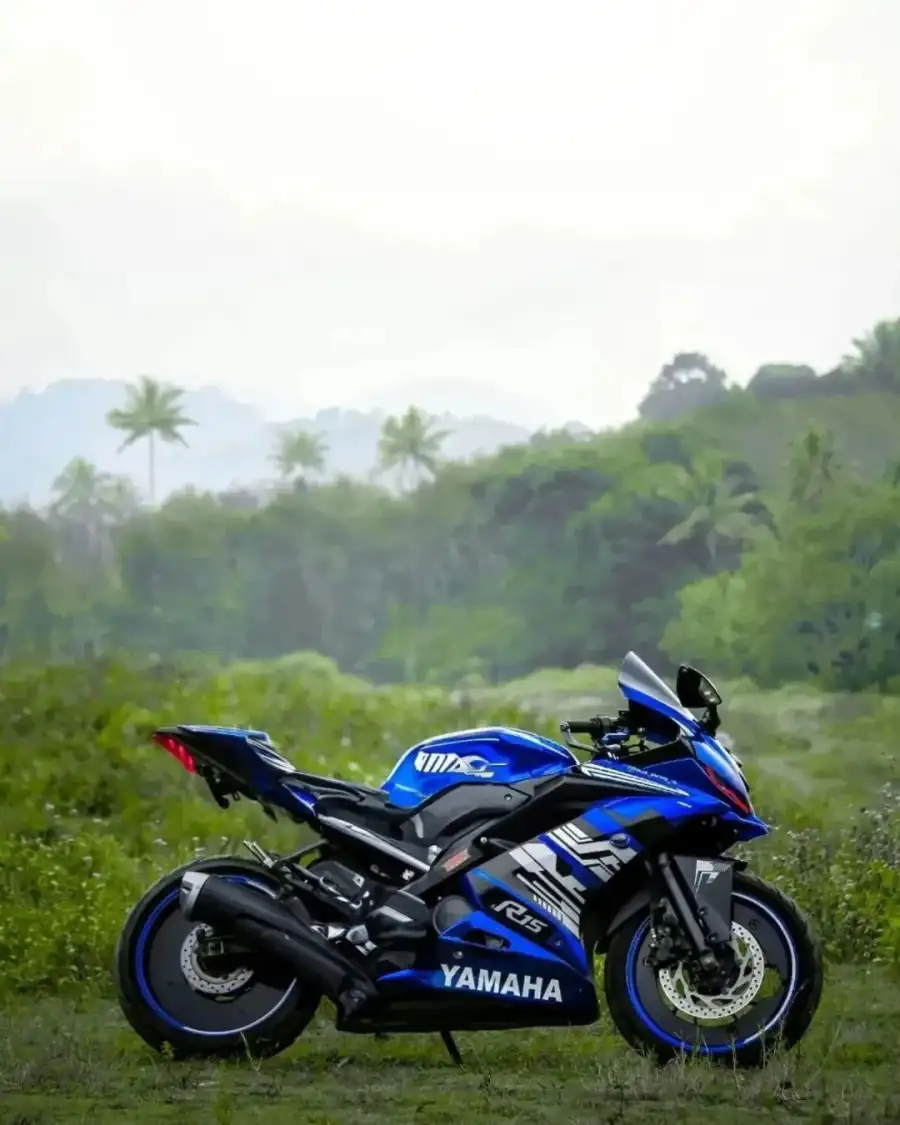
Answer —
366 808
441 817
336 786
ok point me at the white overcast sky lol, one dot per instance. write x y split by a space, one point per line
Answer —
349 201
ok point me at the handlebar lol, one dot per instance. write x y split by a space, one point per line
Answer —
597 728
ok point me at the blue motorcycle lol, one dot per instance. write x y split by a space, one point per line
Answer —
476 890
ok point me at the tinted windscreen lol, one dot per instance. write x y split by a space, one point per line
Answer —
634 673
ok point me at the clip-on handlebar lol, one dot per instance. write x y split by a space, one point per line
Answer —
605 733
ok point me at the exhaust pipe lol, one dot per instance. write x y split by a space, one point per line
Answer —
266 925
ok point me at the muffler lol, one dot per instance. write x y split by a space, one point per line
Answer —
266 925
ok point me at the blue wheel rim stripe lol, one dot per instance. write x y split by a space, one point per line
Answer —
711 1049
144 985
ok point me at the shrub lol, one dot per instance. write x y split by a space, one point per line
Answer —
849 881
64 898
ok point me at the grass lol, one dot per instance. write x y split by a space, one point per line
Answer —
61 1064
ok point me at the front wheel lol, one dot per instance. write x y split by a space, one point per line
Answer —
179 986
770 1002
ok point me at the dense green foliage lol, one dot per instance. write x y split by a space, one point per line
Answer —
758 532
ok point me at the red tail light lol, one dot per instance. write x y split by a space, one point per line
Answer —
177 749
729 794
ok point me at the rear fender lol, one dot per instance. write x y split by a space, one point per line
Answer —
236 763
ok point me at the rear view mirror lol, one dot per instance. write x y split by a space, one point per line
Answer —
694 689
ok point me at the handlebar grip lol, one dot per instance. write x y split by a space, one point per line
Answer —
596 727
582 727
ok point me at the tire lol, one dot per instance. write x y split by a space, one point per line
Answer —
781 931
263 1016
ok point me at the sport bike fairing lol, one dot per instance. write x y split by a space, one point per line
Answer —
529 903
641 686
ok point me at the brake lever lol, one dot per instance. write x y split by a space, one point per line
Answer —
570 741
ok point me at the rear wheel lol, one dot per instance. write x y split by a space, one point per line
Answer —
179 984
769 1002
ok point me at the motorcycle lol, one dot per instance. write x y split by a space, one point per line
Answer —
476 887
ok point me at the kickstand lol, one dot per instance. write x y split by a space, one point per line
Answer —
452 1049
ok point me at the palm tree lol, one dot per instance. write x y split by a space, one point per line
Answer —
877 357
813 466
299 451
93 501
152 409
78 489
410 444
717 506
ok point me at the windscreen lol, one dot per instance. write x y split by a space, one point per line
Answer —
635 674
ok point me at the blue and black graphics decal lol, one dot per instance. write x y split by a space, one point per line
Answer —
597 855
472 765
513 913
542 875
629 779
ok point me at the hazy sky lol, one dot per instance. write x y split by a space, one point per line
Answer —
317 203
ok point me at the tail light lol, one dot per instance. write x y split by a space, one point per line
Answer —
177 749
729 794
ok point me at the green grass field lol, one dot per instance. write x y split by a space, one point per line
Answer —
60 1065
72 1058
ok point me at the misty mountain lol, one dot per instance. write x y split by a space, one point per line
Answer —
102 279
231 445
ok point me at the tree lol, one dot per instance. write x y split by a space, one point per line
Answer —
813 467
152 409
299 452
820 600
78 490
876 359
410 444
688 382
92 502
86 494
32 588
783 380
717 506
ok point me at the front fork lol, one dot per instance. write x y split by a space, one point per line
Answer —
691 918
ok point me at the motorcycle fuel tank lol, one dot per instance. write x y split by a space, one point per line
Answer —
494 755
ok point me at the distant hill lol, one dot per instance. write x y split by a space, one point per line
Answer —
231 445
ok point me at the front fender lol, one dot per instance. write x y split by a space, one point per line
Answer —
601 933
637 904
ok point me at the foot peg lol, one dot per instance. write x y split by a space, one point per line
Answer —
350 1002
